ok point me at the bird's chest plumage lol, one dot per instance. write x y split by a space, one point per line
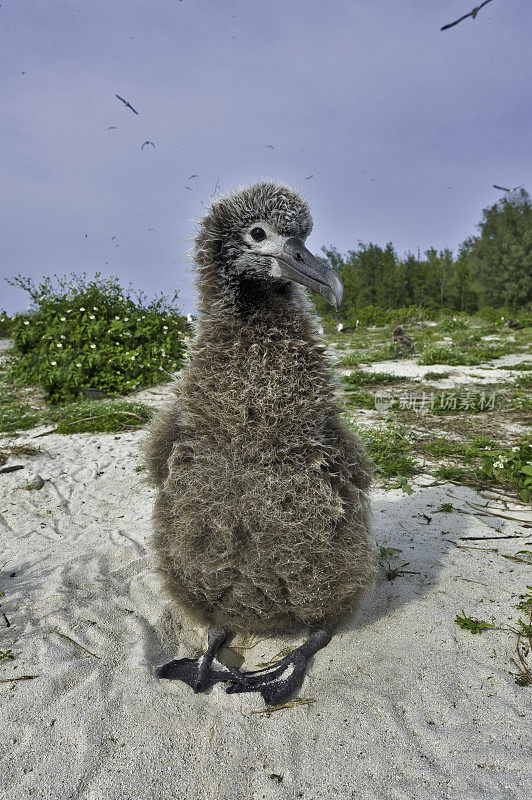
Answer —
255 453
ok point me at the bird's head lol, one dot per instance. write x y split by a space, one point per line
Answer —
257 234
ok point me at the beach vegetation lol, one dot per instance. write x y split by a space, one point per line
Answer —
82 334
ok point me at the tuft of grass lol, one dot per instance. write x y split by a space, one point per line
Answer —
453 474
100 416
6 655
92 334
525 381
349 360
360 377
361 400
14 413
18 450
435 376
389 552
389 447
446 508
472 625
455 356
524 366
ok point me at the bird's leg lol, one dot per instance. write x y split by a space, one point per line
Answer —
278 682
200 673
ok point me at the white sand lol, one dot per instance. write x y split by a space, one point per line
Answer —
408 706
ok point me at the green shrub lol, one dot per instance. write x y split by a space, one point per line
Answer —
85 333
454 324
511 468
489 314
6 325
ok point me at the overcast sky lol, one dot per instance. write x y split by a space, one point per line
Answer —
404 128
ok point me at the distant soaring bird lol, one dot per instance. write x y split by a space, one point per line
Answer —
145 143
471 14
192 176
127 104
508 191
309 177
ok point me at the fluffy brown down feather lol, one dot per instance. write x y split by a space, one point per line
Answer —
262 517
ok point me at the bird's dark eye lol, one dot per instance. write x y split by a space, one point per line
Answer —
258 234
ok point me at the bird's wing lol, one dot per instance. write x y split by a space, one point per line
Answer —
122 99
351 461
166 431
485 3
452 24
502 188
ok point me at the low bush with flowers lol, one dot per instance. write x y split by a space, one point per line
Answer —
511 468
91 333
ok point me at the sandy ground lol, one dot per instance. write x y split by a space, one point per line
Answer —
408 706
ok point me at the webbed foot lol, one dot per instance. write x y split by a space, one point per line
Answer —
203 672
279 682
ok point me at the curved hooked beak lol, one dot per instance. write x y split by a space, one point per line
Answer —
298 264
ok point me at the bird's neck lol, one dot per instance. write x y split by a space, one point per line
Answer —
257 363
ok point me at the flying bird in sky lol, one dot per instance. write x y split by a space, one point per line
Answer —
309 177
504 189
471 14
145 143
127 104
193 176
112 128
188 187
270 146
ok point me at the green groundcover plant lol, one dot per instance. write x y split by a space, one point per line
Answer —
82 333
511 468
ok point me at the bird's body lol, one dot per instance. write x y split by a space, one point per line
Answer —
261 519
404 345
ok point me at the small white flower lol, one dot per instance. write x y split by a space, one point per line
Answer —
132 358
62 336
515 449
78 363
59 344
143 317
91 316
93 346
26 322
95 308
117 317
82 309
69 310
126 319
53 363
63 319
165 327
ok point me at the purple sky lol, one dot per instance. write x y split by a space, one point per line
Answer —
404 128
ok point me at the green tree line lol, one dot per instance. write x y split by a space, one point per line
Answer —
493 268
